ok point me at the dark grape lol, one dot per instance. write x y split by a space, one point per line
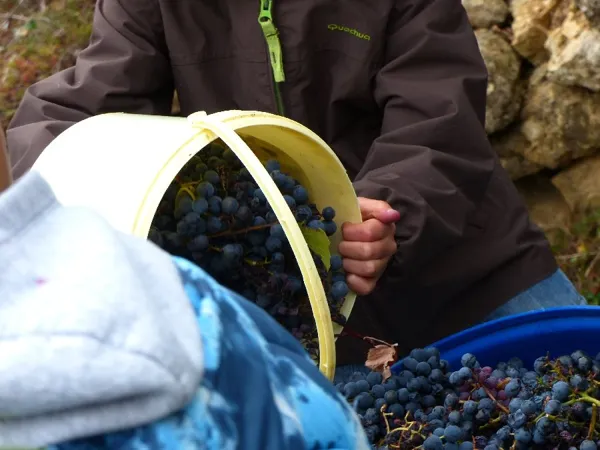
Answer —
214 205
335 263
291 202
339 276
316 225
198 244
330 227
230 205
561 391
468 360
200 205
303 213
378 391
279 178
258 194
552 407
328 213
300 194
273 244
155 236
277 231
363 385
244 215
423 369
233 252
339 290
214 225
211 177
272 165
452 433
205 190
433 442
374 378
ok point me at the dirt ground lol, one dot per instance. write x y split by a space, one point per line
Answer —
37 38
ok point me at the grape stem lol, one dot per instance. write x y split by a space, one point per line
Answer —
549 416
242 231
372 341
492 422
489 394
588 399
402 429
347 331
593 421
350 332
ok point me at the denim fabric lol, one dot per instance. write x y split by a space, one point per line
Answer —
556 290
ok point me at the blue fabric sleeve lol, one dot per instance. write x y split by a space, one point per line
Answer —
260 390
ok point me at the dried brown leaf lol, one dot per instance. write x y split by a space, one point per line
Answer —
380 357
387 372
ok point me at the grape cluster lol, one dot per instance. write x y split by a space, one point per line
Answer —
215 214
551 406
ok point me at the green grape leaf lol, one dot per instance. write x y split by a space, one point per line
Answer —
318 242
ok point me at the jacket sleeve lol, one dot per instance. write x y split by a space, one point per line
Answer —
123 69
432 161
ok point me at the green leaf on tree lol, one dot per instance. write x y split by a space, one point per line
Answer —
318 242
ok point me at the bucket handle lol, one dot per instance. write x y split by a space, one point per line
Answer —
314 286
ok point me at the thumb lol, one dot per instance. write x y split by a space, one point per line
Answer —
377 209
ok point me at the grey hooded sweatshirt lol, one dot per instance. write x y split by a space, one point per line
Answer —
96 331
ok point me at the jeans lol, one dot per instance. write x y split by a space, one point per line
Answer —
556 290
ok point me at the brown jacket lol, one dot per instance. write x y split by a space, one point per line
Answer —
396 87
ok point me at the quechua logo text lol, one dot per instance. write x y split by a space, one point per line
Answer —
354 32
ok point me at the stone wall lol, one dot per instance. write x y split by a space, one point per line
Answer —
543 115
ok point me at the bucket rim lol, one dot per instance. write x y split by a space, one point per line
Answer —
503 324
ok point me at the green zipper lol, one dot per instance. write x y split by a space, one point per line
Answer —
265 19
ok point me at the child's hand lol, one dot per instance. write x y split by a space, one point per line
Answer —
367 247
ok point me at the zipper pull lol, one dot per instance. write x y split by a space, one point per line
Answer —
265 19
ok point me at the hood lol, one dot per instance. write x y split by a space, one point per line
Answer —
96 332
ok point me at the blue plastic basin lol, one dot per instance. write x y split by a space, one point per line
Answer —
555 331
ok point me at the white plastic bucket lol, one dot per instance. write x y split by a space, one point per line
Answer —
121 165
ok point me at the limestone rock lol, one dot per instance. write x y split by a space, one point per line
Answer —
510 146
547 207
591 9
562 123
485 13
580 184
504 92
574 49
532 21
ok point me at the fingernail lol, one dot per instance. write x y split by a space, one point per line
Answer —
393 213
